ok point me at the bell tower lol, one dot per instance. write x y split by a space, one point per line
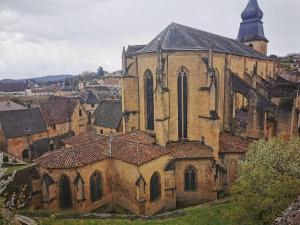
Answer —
251 30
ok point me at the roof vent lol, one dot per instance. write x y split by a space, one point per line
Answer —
8 103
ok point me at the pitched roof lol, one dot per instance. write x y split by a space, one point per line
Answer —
177 37
132 49
99 149
91 98
233 144
56 112
82 138
189 150
19 123
9 105
138 136
108 114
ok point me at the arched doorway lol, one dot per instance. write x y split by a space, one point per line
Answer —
65 193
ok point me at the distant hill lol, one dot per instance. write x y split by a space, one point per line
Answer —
44 79
50 78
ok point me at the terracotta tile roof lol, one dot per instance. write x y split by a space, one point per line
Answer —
79 139
75 156
101 148
233 144
56 112
138 136
190 150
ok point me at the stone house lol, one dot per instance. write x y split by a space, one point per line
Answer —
20 131
90 101
64 116
108 117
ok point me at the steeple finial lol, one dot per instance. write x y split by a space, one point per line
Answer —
251 28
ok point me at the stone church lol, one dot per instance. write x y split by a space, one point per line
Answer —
192 102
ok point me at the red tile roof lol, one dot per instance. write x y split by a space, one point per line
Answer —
56 112
233 144
190 150
140 136
79 139
101 148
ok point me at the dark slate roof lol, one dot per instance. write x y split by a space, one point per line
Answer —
178 37
19 123
132 49
251 28
108 114
91 98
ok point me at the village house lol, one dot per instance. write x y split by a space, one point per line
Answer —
20 132
108 117
90 102
64 116
192 102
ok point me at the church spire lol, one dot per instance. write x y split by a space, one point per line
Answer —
251 29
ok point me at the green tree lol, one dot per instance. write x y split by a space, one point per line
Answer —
100 72
269 179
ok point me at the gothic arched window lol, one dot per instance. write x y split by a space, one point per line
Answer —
155 187
149 100
190 179
65 193
96 187
182 103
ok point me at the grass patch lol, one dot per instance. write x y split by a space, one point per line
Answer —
206 215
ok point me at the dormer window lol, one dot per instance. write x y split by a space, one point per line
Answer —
251 45
80 112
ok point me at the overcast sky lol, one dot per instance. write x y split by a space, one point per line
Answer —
40 37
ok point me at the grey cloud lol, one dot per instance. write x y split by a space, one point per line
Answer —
67 36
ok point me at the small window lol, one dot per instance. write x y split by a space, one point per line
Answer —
101 131
190 179
54 127
250 45
93 106
132 128
80 112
